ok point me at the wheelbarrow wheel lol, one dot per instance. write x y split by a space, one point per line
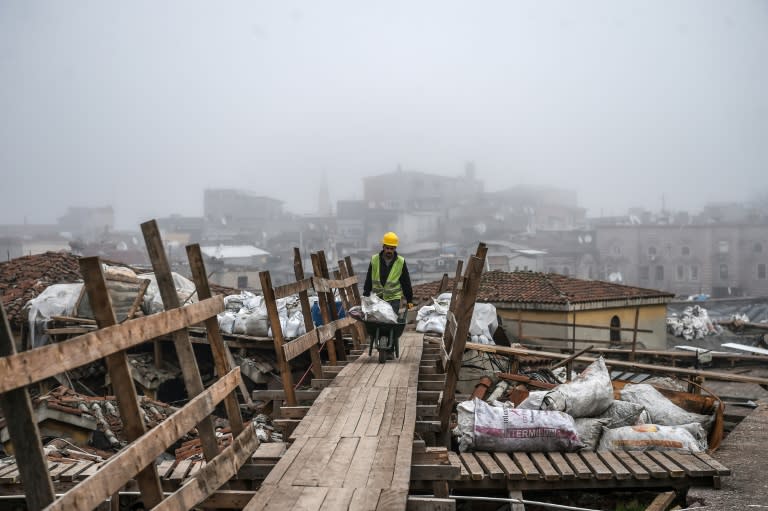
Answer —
382 356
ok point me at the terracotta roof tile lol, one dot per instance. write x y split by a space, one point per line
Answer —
544 288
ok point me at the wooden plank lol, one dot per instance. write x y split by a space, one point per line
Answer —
392 499
222 358
261 499
337 498
365 499
228 499
27 367
299 345
185 354
180 470
579 467
474 468
599 470
315 456
671 467
293 288
360 467
662 501
55 472
653 468
335 472
562 466
620 472
637 471
142 452
508 465
718 467
383 466
489 465
277 337
23 430
213 474
120 377
309 325
527 467
326 285
456 461
545 467
693 466
71 475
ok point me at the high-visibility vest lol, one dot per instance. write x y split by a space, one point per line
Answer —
391 289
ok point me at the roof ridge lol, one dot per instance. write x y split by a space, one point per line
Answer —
555 288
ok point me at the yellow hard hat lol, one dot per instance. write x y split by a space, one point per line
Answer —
390 239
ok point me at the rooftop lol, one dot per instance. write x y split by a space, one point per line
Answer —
545 288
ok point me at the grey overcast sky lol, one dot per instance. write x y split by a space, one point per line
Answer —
142 104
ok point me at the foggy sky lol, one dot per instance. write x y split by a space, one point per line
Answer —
141 105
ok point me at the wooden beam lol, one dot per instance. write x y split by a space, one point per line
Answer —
121 467
25 435
277 337
214 474
306 311
299 345
221 354
324 307
28 367
710 375
341 353
293 288
662 501
327 285
193 382
120 377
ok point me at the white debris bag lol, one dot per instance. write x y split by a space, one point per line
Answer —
588 395
622 413
661 410
511 429
649 437
376 309
55 300
589 431
533 401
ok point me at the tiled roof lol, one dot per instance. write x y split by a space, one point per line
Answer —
544 288
24 278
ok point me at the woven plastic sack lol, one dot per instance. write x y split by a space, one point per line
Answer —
376 309
622 413
533 401
650 437
512 429
589 431
588 395
661 410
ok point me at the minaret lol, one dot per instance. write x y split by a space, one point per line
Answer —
323 198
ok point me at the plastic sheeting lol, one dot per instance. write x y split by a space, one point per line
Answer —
55 300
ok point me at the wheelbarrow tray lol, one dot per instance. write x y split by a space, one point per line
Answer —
385 337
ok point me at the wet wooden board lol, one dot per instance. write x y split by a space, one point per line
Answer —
508 465
620 472
455 460
693 466
653 468
545 467
721 469
476 472
579 467
490 466
598 468
667 464
527 467
562 466
637 471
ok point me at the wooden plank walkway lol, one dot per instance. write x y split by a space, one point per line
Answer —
353 448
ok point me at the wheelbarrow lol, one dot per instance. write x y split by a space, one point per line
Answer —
385 337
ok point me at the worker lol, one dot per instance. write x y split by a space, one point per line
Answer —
388 275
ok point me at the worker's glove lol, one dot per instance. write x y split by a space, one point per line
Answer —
410 306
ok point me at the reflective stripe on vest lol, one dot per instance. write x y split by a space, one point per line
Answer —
391 290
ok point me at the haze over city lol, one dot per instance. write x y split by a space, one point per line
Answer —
142 105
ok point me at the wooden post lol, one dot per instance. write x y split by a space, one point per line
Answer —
634 335
341 353
221 357
24 433
455 299
184 351
463 317
358 334
277 337
322 299
443 284
120 375
351 273
306 311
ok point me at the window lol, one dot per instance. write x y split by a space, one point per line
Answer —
761 271
242 281
680 272
644 273
694 272
651 251
685 251
723 247
758 248
659 273
615 331
723 272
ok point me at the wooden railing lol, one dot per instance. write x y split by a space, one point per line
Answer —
110 342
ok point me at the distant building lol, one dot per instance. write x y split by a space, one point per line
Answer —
87 224
541 309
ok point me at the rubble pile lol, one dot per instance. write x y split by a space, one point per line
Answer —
432 318
694 323
246 314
